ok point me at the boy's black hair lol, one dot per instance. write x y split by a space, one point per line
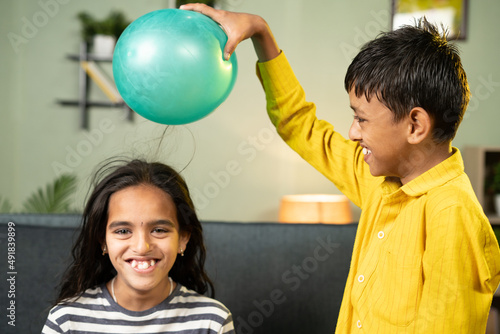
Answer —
413 67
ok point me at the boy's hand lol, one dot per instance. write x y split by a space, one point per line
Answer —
241 26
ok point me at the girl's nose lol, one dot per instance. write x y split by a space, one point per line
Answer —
142 244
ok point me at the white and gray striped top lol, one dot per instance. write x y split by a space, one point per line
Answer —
184 311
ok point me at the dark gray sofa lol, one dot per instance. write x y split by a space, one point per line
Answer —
275 278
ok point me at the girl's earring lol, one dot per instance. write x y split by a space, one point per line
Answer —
104 250
182 252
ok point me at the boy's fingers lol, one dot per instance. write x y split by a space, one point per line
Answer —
200 8
205 10
229 49
214 15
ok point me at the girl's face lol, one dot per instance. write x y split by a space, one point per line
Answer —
143 240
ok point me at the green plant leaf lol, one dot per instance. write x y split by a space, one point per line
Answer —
5 205
56 198
114 24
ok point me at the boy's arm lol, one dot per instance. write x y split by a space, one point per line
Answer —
316 141
294 118
461 266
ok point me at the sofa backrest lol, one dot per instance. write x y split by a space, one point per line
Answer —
275 278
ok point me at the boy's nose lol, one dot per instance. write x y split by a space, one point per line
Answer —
354 132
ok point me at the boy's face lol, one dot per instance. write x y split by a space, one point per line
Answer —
384 142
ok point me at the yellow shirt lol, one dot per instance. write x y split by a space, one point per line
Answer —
425 259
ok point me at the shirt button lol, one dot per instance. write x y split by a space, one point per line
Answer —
380 234
358 323
361 278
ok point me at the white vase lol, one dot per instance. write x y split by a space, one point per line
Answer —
497 203
103 45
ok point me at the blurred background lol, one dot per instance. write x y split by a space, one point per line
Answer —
236 166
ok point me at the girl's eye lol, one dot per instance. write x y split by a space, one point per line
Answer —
122 231
160 230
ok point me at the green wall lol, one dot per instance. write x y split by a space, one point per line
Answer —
8 95
319 38
480 59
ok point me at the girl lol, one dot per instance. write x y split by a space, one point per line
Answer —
138 263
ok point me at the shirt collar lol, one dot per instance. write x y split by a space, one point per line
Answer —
434 177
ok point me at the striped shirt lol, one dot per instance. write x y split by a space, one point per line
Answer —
184 311
425 258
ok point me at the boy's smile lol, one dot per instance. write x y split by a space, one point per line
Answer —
384 141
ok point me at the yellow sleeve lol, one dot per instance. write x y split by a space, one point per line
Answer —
461 266
340 160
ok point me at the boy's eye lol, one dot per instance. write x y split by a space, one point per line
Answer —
359 119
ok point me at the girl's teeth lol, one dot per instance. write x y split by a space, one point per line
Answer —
366 151
142 264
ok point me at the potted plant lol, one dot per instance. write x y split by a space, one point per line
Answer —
56 197
102 35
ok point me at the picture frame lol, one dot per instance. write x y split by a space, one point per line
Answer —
452 14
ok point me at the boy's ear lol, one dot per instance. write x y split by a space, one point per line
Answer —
420 125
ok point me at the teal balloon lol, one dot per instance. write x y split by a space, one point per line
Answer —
168 66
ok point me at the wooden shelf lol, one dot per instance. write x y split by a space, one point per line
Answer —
83 102
90 56
101 104
92 104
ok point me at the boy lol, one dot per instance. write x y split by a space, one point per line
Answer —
425 259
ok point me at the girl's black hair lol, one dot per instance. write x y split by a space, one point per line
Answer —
90 268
